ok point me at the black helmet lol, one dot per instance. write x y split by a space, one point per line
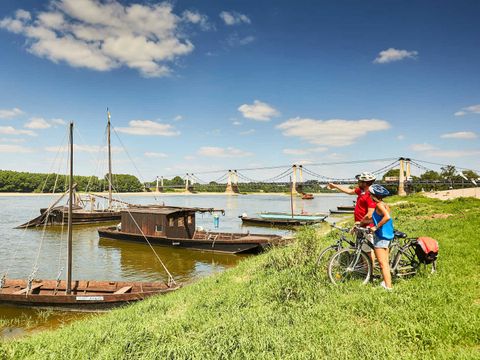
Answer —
378 190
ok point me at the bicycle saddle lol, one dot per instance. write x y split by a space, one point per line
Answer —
399 234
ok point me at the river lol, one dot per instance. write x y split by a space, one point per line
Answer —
102 259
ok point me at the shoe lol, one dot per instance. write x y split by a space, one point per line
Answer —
382 284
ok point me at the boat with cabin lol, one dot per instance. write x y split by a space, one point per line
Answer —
175 226
82 295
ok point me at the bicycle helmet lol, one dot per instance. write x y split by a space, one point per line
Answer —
365 176
378 190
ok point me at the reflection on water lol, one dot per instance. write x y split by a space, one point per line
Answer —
102 259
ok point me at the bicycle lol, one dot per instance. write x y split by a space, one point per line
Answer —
342 242
353 263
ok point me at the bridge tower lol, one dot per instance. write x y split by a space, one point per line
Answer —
232 189
188 184
159 188
401 177
294 180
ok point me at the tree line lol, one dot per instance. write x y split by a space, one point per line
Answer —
26 182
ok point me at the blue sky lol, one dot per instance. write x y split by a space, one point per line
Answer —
196 86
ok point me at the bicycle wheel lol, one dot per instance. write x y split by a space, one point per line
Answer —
325 256
348 264
406 262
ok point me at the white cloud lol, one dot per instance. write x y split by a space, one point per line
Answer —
460 135
10 113
453 153
304 151
391 54
422 147
295 151
236 40
258 111
83 148
155 155
104 35
333 132
37 123
12 140
4 148
10 130
229 152
247 132
236 123
432 151
474 109
234 18
148 127
178 118
196 18
189 157
58 122
401 137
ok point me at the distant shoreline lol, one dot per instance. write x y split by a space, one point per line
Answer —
154 194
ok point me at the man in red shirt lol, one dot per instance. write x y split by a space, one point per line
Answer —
364 206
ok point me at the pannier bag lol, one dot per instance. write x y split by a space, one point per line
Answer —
426 249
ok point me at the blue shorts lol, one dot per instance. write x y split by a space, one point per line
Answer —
380 243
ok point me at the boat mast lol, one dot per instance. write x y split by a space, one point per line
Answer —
109 163
70 215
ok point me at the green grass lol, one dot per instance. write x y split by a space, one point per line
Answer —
276 306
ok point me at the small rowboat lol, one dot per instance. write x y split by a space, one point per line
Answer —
340 212
346 208
284 219
306 196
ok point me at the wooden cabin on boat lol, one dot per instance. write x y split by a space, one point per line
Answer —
175 226
167 222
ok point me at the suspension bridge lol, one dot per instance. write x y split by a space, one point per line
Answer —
299 177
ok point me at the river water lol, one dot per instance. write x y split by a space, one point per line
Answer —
102 259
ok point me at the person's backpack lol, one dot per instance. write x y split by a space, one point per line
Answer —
426 249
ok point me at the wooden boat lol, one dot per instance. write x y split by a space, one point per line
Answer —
283 219
174 226
307 196
76 295
346 207
85 295
58 215
340 212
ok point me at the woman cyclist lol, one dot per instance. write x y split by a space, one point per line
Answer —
382 232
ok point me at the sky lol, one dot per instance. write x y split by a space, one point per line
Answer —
196 86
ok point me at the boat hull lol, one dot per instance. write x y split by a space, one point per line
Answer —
85 295
278 222
223 243
60 217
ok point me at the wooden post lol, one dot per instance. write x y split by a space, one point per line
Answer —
68 290
157 189
401 179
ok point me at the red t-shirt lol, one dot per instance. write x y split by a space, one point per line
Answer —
364 202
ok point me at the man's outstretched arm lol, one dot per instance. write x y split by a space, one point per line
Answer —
343 189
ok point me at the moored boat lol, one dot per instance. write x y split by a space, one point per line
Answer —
307 196
175 226
58 215
76 295
283 219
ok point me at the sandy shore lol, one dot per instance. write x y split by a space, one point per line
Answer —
456 193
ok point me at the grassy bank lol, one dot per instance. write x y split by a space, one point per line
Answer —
277 306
